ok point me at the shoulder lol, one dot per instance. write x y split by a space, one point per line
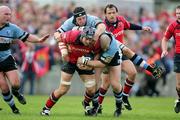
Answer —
172 26
13 26
105 40
92 17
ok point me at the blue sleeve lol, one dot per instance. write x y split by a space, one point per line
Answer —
20 34
66 26
109 54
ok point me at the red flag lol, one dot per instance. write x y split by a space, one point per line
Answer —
42 61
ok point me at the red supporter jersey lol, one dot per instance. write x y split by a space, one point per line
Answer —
174 30
118 30
75 47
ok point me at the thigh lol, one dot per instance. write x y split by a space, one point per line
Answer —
66 76
177 63
114 73
178 80
13 76
114 76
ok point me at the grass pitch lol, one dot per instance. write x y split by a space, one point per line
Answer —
70 108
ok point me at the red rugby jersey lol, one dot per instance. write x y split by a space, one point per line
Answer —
118 30
75 47
174 30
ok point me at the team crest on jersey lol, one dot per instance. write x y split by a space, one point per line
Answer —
8 32
106 59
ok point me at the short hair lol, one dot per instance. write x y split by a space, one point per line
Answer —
110 6
178 7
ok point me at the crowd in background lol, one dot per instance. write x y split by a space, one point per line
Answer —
41 20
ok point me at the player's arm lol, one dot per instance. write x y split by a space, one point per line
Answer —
105 42
35 39
138 27
100 28
164 46
24 36
164 43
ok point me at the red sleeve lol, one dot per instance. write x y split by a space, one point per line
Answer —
125 22
70 36
169 31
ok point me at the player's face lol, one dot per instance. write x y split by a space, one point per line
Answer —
111 14
178 14
88 41
81 21
5 16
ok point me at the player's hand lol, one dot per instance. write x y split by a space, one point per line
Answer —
57 36
42 39
83 60
164 53
80 60
147 28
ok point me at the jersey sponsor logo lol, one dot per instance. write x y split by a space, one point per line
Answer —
5 40
72 49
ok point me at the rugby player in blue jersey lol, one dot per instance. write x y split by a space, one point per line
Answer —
10 33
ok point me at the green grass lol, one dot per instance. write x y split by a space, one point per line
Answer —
70 108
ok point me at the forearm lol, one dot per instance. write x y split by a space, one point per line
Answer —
164 44
135 27
33 38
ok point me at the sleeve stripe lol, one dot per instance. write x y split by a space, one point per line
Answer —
61 30
25 38
22 35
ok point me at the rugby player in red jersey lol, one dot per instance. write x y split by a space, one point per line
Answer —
75 43
174 30
117 24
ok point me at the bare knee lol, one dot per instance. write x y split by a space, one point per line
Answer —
132 75
90 86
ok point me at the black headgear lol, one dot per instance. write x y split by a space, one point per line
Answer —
79 11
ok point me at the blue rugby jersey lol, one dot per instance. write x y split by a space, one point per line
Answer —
9 33
69 24
108 55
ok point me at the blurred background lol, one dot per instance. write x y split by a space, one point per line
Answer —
45 16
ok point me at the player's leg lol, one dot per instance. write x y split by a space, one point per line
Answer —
67 71
139 61
13 77
11 72
177 102
177 71
129 68
105 83
88 77
114 76
7 95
